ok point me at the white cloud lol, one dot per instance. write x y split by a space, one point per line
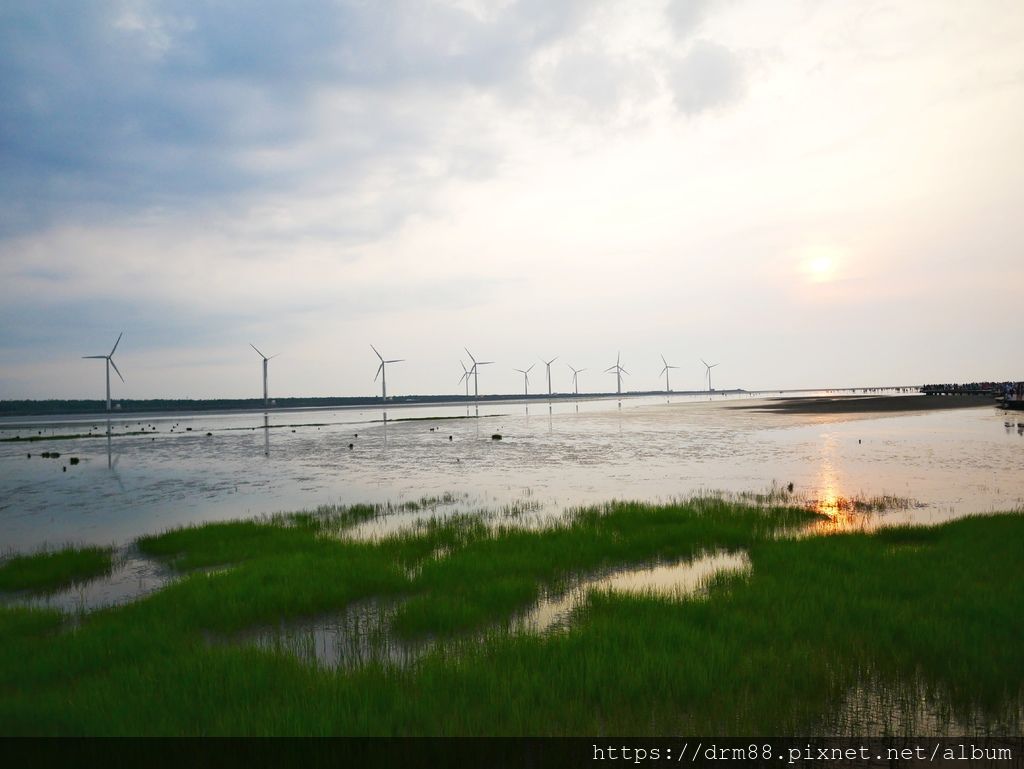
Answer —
430 175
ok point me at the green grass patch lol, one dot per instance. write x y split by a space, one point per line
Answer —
920 614
53 571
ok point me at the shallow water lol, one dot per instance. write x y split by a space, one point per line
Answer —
360 635
550 458
133 576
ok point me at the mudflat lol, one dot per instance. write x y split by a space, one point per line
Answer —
854 404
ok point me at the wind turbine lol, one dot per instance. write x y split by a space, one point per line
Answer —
575 378
266 400
383 374
526 378
668 387
465 376
709 366
475 372
110 362
548 364
619 371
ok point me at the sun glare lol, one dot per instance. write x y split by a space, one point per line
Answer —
819 264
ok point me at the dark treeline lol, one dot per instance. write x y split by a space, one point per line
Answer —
156 405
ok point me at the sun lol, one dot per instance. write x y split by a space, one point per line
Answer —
821 268
820 264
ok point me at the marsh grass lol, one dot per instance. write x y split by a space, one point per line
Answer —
53 571
784 649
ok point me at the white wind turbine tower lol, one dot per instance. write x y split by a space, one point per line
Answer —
619 371
526 378
266 399
668 387
474 371
110 362
383 373
465 376
548 364
709 366
575 378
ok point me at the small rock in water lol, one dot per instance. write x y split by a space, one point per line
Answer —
789 487
496 437
351 445
449 437
75 460
64 469
208 435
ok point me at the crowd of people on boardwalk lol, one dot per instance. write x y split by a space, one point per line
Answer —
1008 390
969 388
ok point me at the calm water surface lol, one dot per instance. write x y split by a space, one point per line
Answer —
550 458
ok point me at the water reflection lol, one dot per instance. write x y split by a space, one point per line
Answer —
954 462
361 633
675 580
132 577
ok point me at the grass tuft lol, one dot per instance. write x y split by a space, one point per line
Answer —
56 570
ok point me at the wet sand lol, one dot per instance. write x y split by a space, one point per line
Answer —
866 404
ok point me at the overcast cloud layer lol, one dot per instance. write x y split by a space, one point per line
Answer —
812 193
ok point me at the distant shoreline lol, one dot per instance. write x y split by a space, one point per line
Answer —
865 404
158 407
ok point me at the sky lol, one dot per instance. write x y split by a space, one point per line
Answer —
808 193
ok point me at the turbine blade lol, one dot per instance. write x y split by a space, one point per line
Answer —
623 371
396 360
379 368
469 354
375 350
117 342
257 350
664 361
95 356
115 368
664 370
531 368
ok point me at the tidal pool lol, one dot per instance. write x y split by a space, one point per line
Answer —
361 634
